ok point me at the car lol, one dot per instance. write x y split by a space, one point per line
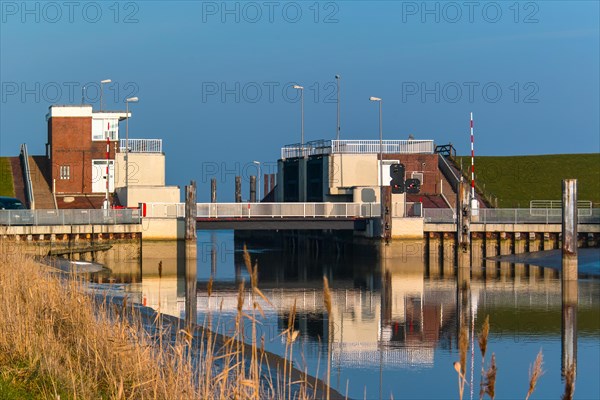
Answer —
10 203
17 213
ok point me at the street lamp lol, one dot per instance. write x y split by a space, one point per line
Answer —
337 80
102 90
259 179
377 99
301 89
127 101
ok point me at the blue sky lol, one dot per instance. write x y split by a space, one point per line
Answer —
213 77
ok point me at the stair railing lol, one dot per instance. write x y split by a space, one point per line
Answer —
27 176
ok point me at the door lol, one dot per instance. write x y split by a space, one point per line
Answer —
99 176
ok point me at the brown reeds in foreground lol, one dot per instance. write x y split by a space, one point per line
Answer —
55 339
535 373
61 341
489 384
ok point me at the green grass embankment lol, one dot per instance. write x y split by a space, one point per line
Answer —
516 180
6 178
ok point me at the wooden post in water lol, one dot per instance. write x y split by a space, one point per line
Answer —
238 189
252 189
569 275
569 231
213 190
190 212
463 235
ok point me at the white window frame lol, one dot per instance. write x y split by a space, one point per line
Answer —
101 124
65 172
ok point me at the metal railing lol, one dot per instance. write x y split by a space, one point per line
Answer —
141 145
512 216
320 147
389 146
288 210
557 204
69 217
165 210
24 155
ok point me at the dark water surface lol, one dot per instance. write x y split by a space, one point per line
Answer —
395 319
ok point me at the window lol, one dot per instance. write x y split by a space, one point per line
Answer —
103 128
418 175
65 172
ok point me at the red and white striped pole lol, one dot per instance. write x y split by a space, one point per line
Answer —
472 163
106 202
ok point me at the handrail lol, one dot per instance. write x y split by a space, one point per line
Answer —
141 145
24 155
69 217
448 171
320 147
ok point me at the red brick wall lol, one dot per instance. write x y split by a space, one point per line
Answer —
71 144
426 163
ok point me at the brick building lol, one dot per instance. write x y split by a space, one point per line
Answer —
77 148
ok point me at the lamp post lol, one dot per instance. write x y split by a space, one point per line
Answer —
259 179
301 89
338 81
127 101
102 90
380 101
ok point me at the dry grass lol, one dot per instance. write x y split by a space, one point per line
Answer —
50 329
487 384
535 373
71 346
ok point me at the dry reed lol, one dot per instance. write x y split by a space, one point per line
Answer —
54 333
489 385
535 373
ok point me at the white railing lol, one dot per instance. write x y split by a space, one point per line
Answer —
165 210
512 216
388 146
557 204
320 147
141 145
288 210
69 217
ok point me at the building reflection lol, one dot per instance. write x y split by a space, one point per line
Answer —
393 310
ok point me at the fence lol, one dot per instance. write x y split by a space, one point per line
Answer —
141 145
319 147
288 210
512 216
69 217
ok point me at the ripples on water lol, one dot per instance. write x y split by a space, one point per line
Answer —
395 319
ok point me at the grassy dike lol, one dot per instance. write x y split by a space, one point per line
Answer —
6 178
516 180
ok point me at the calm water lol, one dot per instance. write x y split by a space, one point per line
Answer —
395 319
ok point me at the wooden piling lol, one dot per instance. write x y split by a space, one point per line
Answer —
238 189
190 212
252 189
569 274
463 234
569 230
213 190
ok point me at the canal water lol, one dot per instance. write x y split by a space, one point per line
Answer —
395 320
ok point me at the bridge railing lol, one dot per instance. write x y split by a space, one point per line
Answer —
288 210
512 216
69 217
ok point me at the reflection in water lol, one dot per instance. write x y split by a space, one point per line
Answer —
395 320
